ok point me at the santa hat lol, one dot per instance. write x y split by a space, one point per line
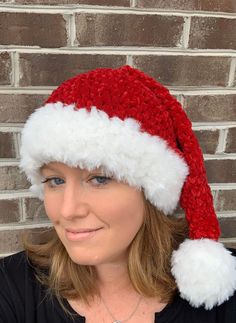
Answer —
128 123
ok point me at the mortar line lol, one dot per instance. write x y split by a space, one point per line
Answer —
186 31
119 50
222 141
133 3
16 144
232 72
129 60
22 210
107 9
176 90
215 194
21 226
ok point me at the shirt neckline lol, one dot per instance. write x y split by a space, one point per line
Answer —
166 313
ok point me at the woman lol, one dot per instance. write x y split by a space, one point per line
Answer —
112 153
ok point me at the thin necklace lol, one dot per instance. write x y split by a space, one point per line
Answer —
122 321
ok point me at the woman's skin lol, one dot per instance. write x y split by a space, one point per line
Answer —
96 218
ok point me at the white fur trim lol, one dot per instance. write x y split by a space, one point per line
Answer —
92 139
205 272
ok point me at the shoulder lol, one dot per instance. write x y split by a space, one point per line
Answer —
233 251
13 274
19 259
13 264
22 297
14 268
184 312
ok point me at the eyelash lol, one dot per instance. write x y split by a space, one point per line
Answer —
49 179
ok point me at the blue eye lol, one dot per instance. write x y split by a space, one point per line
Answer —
101 180
53 181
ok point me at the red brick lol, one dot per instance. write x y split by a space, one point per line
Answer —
11 240
186 70
30 29
228 227
231 141
206 32
12 179
230 244
210 5
10 212
212 108
117 3
52 69
35 210
17 107
208 140
7 148
5 68
226 200
121 30
221 171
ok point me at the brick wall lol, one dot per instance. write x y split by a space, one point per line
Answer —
188 45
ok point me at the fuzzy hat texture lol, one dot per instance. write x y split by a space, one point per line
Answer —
128 123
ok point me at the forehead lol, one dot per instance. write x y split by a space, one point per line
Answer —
61 167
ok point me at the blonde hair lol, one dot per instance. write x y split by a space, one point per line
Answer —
149 264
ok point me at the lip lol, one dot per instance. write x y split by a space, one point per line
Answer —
80 234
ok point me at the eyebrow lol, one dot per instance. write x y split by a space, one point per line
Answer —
45 167
48 167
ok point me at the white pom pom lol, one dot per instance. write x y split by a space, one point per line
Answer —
205 272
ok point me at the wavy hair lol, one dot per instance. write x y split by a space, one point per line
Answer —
149 260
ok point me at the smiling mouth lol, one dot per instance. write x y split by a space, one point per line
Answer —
80 235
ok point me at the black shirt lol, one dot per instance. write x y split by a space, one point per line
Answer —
24 300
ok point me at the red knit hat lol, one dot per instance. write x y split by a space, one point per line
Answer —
128 123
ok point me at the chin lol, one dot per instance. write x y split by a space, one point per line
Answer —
84 260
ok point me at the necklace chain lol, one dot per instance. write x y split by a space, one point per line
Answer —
122 321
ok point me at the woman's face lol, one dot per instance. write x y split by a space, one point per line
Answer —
96 217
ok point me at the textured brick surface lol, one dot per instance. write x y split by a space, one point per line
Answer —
211 32
108 30
221 171
186 70
123 3
51 69
226 200
9 211
17 107
211 108
7 148
228 227
24 29
205 5
35 209
30 29
231 140
11 240
5 68
230 244
208 140
12 179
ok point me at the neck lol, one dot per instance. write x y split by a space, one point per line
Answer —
113 278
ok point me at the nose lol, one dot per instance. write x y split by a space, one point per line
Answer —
74 202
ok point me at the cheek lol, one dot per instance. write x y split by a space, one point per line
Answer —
124 211
51 205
